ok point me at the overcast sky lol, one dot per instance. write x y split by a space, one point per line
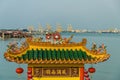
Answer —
82 14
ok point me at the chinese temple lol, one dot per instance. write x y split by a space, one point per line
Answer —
55 58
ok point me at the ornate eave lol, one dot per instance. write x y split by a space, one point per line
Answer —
92 57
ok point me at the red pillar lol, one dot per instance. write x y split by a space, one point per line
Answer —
82 73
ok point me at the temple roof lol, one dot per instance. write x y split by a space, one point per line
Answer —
63 56
60 51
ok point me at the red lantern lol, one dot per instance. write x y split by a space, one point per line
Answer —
86 75
29 72
91 70
19 70
85 72
87 78
29 76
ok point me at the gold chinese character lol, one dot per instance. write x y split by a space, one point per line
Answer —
64 71
47 71
59 72
36 72
53 72
75 71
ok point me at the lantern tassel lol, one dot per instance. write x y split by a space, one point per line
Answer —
19 76
91 76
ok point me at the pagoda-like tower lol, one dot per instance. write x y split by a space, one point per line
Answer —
51 61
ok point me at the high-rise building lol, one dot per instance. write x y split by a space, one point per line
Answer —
58 28
69 28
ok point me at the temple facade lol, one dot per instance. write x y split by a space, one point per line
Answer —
55 61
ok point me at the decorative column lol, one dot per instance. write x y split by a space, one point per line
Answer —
82 73
29 73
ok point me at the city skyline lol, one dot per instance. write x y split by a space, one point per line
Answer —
82 14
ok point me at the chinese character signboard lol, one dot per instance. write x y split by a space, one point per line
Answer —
71 72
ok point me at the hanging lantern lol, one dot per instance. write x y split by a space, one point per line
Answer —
86 75
29 72
29 76
85 72
19 70
91 70
87 78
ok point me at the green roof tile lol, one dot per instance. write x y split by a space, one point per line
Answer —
79 54
71 54
66 55
58 55
49 55
55 54
62 54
